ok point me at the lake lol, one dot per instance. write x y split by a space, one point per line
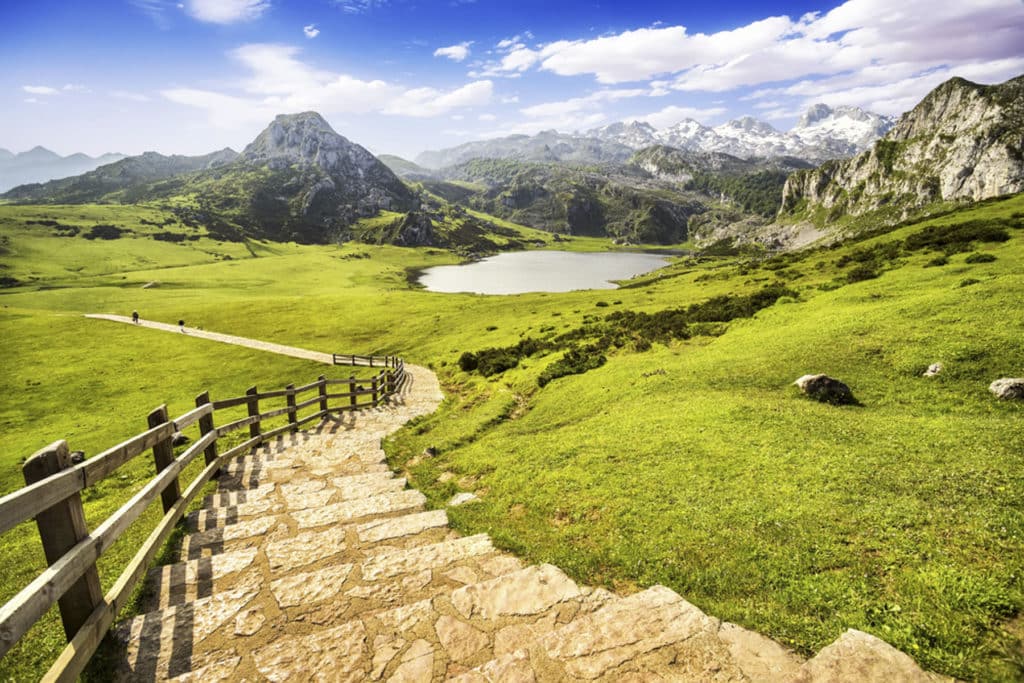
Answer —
519 272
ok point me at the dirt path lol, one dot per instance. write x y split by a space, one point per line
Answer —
281 349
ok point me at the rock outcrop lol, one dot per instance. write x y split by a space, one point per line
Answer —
1008 388
826 389
962 142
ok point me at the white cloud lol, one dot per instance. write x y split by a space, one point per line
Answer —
426 102
280 82
456 53
566 108
311 31
671 115
860 49
226 11
74 87
40 90
487 117
32 100
127 95
359 6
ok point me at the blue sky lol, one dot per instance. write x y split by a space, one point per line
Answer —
401 76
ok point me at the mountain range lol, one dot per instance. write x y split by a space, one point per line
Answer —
821 133
744 180
39 164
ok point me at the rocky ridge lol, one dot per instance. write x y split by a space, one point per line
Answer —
962 142
314 562
822 133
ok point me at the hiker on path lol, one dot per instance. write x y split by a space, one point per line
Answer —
135 317
181 325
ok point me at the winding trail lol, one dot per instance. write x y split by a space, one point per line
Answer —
281 349
314 562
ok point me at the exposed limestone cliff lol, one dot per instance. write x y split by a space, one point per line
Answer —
962 142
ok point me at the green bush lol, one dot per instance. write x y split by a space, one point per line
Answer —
574 362
977 257
861 273
957 236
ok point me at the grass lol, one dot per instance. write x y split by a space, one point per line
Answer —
693 464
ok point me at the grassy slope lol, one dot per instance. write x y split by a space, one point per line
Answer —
900 517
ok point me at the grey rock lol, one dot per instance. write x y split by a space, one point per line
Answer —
826 389
1008 388
77 457
179 439
962 142
933 369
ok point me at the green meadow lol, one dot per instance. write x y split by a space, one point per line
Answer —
686 459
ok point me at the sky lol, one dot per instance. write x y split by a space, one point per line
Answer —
403 76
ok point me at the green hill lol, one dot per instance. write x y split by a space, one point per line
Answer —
683 456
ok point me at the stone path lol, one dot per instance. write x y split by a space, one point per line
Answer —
314 562
281 349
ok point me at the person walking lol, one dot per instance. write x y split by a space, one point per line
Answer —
181 325
135 317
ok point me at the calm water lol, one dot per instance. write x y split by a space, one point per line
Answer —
540 271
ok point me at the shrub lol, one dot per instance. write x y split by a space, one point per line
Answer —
468 361
937 261
967 282
957 237
574 362
104 232
979 258
861 273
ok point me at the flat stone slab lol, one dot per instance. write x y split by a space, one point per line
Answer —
203 520
304 548
529 591
366 485
406 525
232 498
329 655
390 563
161 643
593 644
310 587
339 513
859 656
194 543
178 582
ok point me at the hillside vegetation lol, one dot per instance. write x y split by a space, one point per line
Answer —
684 458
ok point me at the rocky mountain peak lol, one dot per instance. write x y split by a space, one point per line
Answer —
306 139
814 113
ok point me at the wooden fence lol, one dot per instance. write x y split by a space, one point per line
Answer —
53 486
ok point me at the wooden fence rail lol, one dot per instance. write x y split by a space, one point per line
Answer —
53 486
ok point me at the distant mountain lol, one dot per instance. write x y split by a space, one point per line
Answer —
40 164
404 168
822 133
123 175
298 180
546 146
962 142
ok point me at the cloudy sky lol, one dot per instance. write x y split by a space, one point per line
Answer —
401 76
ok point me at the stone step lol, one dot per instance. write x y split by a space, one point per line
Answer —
294 621
164 644
859 656
417 641
175 584
651 635
307 494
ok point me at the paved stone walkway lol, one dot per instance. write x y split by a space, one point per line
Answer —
314 562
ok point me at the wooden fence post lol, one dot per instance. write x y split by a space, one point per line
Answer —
206 426
254 409
390 383
323 392
373 385
353 399
61 527
292 417
163 456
